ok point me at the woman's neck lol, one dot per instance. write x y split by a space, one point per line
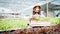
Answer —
37 14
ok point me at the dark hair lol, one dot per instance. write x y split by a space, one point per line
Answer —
35 8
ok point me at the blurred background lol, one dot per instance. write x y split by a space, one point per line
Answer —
17 8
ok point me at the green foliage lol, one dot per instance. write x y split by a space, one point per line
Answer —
7 24
54 21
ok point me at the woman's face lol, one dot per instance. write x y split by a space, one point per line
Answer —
37 9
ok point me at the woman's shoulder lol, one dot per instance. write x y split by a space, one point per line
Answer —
42 15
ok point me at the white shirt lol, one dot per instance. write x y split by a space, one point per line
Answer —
36 15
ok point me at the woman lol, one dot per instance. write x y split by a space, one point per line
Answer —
37 11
